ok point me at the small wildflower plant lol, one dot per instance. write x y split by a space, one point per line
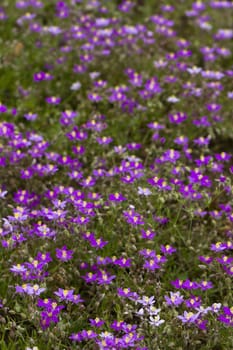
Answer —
116 164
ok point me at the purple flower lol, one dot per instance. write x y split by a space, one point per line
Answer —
64 254
177 118
65 294
97 243
188 317
19 268
151 264
167 249
94 97
104 278
175 299
97 322
88 182
204 285
213 107
116 197
123 262
206 259
127 293
3 108
148 234
193 302
30 116
29 289
53 100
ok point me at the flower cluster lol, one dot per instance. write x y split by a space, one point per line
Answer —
116 167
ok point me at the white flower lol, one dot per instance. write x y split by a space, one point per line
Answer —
102 22
156 321
153 311
146 300
173 99
75 86
7 225
216 307
2 193
106 335
143 190
94 75
52 30
203 310
194 70
140 312
205 25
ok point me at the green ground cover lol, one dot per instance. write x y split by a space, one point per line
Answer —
116 170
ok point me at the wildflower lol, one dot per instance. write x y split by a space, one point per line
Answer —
148 234
104 278
173 99
3 193
97 322
53 100
151 264
19 268
193 302
97 243
146 301
177 118
64 254
156 321
65 294
175 299
194 70
127 293
188 317
116 197
167 249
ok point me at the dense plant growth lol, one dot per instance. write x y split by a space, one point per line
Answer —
116 141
